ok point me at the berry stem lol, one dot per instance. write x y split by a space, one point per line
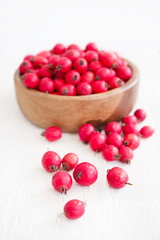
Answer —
128 183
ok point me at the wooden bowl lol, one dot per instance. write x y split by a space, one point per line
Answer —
70 112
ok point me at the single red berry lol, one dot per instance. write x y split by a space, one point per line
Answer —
115 82
53 60
113 127
84 88
29 58
80 65
117 177
31 80
130 119
88 77
91 56
132 141
25 65
58 83
104 74
46 71
95 65
109 59
97 141
67 90
58 48
125 154
110 152
72 54
51 161
47 85
140 115
124 72
74 209
62 181
85 174
70 161
73 46
130 128
52 134
115 139
99 86
146 131
72 77
91 46
39 61
45 54
85 131
63 65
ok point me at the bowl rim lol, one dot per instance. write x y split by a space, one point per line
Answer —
131 82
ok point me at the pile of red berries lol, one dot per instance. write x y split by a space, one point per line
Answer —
117 143
72 71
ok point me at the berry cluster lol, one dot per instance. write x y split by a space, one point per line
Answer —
72 71
117 143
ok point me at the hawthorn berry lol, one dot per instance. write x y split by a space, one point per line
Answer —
132 141
97 141
117 177
84 88
25 65
80 65
140 115
146 131
51 161
113 127
74 209
115 139
31 80
46 84
70 161
85 132
110 152
125 154
52 134
62 181
67 90
72 77
99 86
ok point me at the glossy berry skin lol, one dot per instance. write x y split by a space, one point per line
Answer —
104 74
125 154
74 209
130 128
84 88
87 77
140 115
46 71
97 141
72 54
70 161
31 80
110 152
108 58
132 141
130 119
62 182
58 48
51 161
124 72
46 85
80 65
63 65
52 134
146 131
91 46
113 127
115 82
25 65
58 83
99 86
72 77
53 60
91 56
85 174
45 54
95 65
115 139
74 46
39 61
85 132
68 90
117 177
29 58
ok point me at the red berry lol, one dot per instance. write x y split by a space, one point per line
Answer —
74 209
74 46
110 152
130 128
72 77
70 161
58 49
115 139
99 86
130 119
51 161
91 46
124 72
85 174
115 82
132 141
68 90
140 115
97 141
31 80
58 83
46 71
25 65
108 58
37 71
84 88
53 60
104 74
52 134
80 65
45 54
113 127
125 154
39 61
95 65
62 182
59 75
47 85
63 65
55 93
117 177
146 131
72 54
88 77
85 131
29 58
91 56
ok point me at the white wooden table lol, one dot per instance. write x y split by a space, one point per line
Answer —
29 207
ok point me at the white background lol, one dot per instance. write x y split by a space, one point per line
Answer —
29 207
